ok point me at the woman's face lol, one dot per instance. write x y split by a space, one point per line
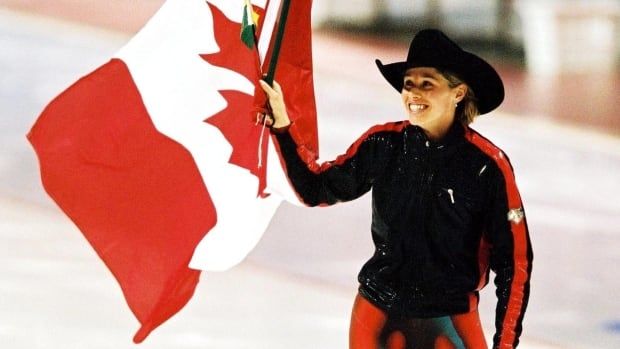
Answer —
430 101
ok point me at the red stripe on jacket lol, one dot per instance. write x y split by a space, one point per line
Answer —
484 251
310 157
519 234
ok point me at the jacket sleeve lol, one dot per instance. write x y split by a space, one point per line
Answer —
347 177
511 256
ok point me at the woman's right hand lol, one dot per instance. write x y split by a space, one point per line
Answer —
276 101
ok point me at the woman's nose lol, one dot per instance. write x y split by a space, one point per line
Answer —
413 93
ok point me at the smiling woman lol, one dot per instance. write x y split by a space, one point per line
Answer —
443 202
430 101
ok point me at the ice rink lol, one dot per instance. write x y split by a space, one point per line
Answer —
296 288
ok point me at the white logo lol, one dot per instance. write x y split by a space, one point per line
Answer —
516 215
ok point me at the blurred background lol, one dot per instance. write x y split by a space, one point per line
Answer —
560 124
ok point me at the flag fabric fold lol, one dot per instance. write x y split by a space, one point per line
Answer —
153 155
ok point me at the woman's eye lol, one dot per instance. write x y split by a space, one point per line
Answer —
409 84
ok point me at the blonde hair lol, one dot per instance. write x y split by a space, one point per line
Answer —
467 109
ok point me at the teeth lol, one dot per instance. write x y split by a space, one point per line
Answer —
416 107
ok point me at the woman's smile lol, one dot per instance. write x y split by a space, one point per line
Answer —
417 107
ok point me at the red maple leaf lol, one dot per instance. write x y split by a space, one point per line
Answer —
236 120
233 53
240 132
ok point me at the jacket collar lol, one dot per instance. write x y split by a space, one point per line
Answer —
450 141
453 137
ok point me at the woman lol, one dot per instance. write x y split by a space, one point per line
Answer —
445 207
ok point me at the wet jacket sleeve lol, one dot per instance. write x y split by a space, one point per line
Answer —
347 177
511 257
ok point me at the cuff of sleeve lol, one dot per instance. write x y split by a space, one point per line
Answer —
281 130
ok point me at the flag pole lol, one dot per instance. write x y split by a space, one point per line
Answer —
278 43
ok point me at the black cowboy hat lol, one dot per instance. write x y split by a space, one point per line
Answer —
432 48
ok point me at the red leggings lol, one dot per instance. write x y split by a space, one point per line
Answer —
372 329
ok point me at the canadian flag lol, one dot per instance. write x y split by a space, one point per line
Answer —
155 156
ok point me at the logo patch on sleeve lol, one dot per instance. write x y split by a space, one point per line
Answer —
516 215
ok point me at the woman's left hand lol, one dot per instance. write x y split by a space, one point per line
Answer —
276 101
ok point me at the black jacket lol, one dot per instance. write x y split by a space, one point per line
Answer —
442 213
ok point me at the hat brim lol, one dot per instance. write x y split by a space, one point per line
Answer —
479 75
